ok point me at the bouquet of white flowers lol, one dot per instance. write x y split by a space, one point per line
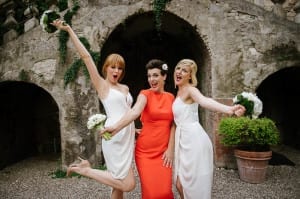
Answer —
46 19
251 102
96 122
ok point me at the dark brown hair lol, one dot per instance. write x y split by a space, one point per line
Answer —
159 64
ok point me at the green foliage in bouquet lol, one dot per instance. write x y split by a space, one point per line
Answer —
249 105
47 18
251 102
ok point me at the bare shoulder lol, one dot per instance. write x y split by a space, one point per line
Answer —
192 89
195 93
124 88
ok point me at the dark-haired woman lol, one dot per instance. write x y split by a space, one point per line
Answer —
154 151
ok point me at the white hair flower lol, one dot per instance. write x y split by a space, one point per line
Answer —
164 67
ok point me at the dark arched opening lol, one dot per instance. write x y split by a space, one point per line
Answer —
29 122
280 94
138 41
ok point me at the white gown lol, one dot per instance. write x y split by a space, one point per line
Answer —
118 152
193 152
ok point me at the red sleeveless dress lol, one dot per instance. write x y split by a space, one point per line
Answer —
156 118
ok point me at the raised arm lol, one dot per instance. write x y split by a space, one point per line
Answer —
97 80
213 105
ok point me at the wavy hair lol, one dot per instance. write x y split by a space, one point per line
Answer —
192 64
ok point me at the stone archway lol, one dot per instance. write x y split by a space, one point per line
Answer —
280 94
138 41
29 122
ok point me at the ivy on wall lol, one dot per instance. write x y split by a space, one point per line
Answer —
72 72
63 35
23 75
158 8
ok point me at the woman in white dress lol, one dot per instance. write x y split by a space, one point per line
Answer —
116 99
193 148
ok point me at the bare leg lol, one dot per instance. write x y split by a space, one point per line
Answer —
104 177
179 188
116 194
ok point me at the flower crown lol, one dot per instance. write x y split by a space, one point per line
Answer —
251 102
164 67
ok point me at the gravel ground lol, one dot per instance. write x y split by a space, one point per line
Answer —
30 179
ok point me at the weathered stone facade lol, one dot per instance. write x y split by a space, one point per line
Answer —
235 43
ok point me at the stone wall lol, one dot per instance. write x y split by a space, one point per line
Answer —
240 43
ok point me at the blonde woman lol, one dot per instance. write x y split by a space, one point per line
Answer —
193 148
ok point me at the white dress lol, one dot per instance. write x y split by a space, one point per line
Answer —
118 152
193 152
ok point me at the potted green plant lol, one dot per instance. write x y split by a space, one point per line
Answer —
251 138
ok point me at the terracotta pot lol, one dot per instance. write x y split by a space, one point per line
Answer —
252 166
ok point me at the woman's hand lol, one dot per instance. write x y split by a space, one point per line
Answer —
168 157
60 24
239 110
109 129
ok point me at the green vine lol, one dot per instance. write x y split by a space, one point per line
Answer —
63 35
23 75
62 5
72 71
158 7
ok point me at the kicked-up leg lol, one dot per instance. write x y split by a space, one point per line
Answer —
83 168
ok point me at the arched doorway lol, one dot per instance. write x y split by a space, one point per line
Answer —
138 41
29 122
280 94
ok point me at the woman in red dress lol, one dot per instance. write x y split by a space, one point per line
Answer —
154 151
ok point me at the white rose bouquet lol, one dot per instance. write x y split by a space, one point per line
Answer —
96 122
251 102
47 18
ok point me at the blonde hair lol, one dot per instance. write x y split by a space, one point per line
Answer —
192 64
114 60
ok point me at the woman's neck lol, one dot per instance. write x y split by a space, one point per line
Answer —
112 84
182 87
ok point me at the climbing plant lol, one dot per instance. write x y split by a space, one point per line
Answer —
158 8
72 71
62 5
23 75
63 35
